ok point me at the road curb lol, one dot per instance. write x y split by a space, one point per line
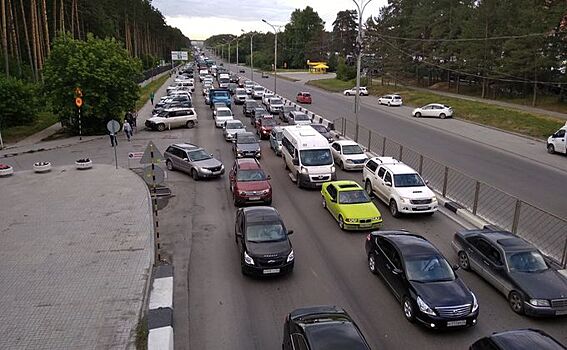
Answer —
160 314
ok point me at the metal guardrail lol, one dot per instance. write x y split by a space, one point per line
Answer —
545 230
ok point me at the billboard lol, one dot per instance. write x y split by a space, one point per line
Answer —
179 56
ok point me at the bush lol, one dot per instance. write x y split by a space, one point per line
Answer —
19 103
345 72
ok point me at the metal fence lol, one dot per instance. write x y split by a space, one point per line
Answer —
545 230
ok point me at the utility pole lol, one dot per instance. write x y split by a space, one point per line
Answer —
275 53
252 56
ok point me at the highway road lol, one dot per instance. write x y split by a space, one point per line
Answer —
216 307
529 180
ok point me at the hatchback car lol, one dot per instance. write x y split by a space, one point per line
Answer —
222 115
249 183
258 113
263 242
518 339
248 107
390 100
514 267
303 97
433 110
231 128
246 145
348 155
285 112
193 160
240 96
350 205
276 137
422 279
264 126
323 130
322 327
298 118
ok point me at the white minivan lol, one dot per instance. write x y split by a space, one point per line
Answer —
307 155
557 143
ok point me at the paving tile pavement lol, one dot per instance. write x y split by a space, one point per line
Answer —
76 251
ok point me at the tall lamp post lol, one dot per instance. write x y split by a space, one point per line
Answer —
275 53
252 56
360 5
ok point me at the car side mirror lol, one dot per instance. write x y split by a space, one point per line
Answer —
186 159
233 141
290 232
268 177
455 267
389 184
211 155
427 182
334 200
295 161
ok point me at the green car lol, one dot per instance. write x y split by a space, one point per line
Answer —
350 205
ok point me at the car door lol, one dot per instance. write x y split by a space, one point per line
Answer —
177 158
388 190
485 259
377 182
332 203
336 151
389 265
559 141
239 232
185 161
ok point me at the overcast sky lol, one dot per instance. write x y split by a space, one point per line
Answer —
200 19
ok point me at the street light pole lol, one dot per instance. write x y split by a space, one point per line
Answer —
360 8
275 54
252 57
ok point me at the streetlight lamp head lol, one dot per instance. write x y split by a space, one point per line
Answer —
263 20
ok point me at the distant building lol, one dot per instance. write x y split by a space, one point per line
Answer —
317 67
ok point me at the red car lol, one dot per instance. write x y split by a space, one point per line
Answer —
303 97
249 183
264 126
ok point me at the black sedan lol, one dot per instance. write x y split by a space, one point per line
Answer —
519 339
323 130
248 107
263 242
514 267
421 279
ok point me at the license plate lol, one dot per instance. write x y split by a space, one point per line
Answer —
365 225
254 198
422 207
561 312
269 271
457 323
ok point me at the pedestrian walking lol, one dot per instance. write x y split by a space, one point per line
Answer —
127 130
133 120
152 96
113 139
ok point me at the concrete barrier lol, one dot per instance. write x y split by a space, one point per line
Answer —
160 314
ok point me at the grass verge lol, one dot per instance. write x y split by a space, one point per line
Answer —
17 133
529 124
142 334
146 90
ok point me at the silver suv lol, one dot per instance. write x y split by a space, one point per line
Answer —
172 118
193 160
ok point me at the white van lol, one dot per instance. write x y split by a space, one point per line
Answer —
307 155
557 143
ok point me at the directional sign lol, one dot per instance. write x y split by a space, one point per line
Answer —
151 154
154 176
113 126
179 56
78 102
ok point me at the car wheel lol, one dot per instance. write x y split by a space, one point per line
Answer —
190 124
161 127
235 201
550 149
417 115
348 93
389 104
409 312
368 188
516 302
341 222
169 165
195 175
324 202
298 180
394 209
372 263
464 262
442 116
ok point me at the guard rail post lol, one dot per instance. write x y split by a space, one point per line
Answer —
401 152
383 147
421 163
476 193
564 262
369 139
516 216
356 133
445 180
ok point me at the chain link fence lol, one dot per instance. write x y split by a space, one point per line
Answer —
545 230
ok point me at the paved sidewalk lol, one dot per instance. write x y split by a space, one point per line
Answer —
77 251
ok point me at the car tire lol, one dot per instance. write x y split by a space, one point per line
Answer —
368 188
394 209
195 175
341 222
372 263
235 201
408 308
442 116
161 127
190 124
169 165
341 165
550 149
347 93
323 202
417 115
516 302
298 180
389 104
464 262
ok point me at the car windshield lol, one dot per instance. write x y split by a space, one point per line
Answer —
247 139
251 175
320 128
408 180
352 149
198 155
224 113
279 136
315 157
353 197
301 117
221 94
258 88
276 101
265 232
233 126
529 261
268 122
428 268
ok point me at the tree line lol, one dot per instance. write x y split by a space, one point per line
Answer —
511 48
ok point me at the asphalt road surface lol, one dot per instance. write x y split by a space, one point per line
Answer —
541 185
216 307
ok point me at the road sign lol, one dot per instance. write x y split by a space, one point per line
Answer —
78 102
113 126
151 154
78 92
156 173
135 155
179 56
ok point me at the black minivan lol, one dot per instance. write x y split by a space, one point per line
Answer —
422 279
263 242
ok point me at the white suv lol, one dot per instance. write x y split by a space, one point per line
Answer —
399 186
172 118
390 100
363 91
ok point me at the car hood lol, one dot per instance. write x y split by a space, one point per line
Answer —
549 284
155 119
248 146
252 185
281 248
415 192
208 163
359 211
355 156
449 293
234 131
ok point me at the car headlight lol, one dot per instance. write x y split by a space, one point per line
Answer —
376 218
423 307
265 191
351 220
203 170
475 303
349 160
290 257
304 170
434 199
248 259
333 169
539 302
404 200
242 193
239 153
